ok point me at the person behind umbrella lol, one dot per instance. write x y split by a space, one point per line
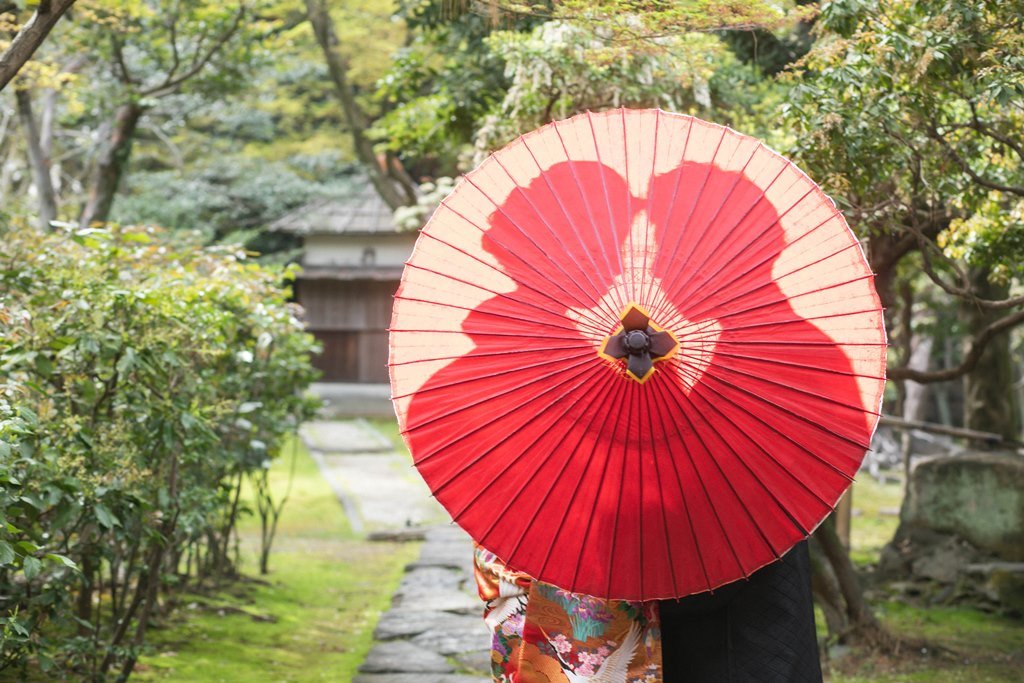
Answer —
760 629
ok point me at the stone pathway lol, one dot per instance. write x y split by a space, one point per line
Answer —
433 632
379 488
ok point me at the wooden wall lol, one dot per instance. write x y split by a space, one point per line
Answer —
350 319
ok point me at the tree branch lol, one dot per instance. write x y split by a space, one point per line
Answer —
30 37
171 84
977 347
126 77
925 246
966 167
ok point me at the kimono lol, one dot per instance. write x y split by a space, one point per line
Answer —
544 634
758 630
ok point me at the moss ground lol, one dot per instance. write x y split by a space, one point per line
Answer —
966 644
310 619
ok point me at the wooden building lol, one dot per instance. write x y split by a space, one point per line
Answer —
352 262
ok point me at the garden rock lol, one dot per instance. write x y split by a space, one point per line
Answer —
977 496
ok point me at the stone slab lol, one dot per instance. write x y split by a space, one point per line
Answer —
427 580
344 436
386 492
454 601
468 637
347 399
400 656
406 624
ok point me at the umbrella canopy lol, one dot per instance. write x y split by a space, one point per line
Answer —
637 355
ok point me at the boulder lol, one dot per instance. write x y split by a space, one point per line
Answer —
977 496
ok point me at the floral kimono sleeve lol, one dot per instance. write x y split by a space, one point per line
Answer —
542 634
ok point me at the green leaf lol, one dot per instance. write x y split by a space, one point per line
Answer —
60 559
7 554
105 517
32 566
27 546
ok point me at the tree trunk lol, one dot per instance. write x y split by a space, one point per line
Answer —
990 399
337 66
863 627
38 160
915 396
110 166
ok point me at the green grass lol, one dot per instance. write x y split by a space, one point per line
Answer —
873 524
966 646
310 619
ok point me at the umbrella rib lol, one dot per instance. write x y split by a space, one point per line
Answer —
805 392
593 509
705 295
703 325
757 342
473 333
649 267
487 354
547 362
661 498
675 195
774 302
780 432
767 453
481 311
595 294
607 200
732 229
631 280
697 475
724 200
813 368
696 313
582 377
544 277
523 452
621 387
623 453
576 232
585 201
728 480
689 216
640 497
409 430
596 329
597 324
511 500
788 411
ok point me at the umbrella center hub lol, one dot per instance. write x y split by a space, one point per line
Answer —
637 342
640 342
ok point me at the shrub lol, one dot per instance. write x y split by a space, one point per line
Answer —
141 380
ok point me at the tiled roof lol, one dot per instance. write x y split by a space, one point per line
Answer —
360 212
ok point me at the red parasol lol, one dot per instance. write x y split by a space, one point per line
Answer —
637 355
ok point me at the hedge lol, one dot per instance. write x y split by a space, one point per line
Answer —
142 380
